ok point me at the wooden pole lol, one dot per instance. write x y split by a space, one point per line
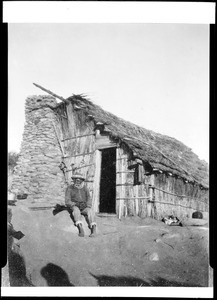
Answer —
78 136
82 154
49 92
85 166
136 200
96 185
119 182
58 139
149 204
133 197
121 187
179 196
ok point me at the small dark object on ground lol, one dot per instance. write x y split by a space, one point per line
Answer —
21 196
176 224
15 234
12 202
18 235
197 215
172 221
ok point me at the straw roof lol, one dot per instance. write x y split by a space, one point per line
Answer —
159 151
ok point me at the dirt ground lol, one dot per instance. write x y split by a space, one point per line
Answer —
127 252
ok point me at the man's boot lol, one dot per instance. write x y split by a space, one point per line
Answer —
93 231
81 230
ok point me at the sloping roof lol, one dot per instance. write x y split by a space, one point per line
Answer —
160 151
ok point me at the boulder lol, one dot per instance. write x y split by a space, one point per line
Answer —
197 215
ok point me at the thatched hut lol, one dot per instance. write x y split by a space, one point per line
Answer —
129 170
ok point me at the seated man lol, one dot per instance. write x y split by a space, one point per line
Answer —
77 199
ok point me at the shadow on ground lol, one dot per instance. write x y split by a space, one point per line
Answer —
104 280
17 270
55 275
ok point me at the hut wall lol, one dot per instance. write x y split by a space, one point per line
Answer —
131 198
37 172
78 139
159 196
175 197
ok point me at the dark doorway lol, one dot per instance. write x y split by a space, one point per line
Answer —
108 181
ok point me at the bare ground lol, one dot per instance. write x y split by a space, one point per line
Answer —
130 252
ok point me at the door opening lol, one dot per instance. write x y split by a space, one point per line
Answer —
107 202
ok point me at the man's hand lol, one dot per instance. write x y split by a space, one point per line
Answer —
71 204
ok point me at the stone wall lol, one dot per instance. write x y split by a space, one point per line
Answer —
37 172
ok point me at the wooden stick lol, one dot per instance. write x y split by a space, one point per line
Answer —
78 136
181 196
82 154
40 207
124 172
149 204
132 198
124 184
49 92
80 167
58 139
168 203
63 116
84 166
136 200
122 158
122 178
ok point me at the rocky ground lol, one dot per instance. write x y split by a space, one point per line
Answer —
130 252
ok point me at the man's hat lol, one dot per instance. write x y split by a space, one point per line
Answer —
78 176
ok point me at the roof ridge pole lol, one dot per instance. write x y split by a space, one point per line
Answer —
49 92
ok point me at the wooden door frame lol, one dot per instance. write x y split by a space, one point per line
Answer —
97 178
96 186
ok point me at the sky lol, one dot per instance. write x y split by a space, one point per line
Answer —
154 75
